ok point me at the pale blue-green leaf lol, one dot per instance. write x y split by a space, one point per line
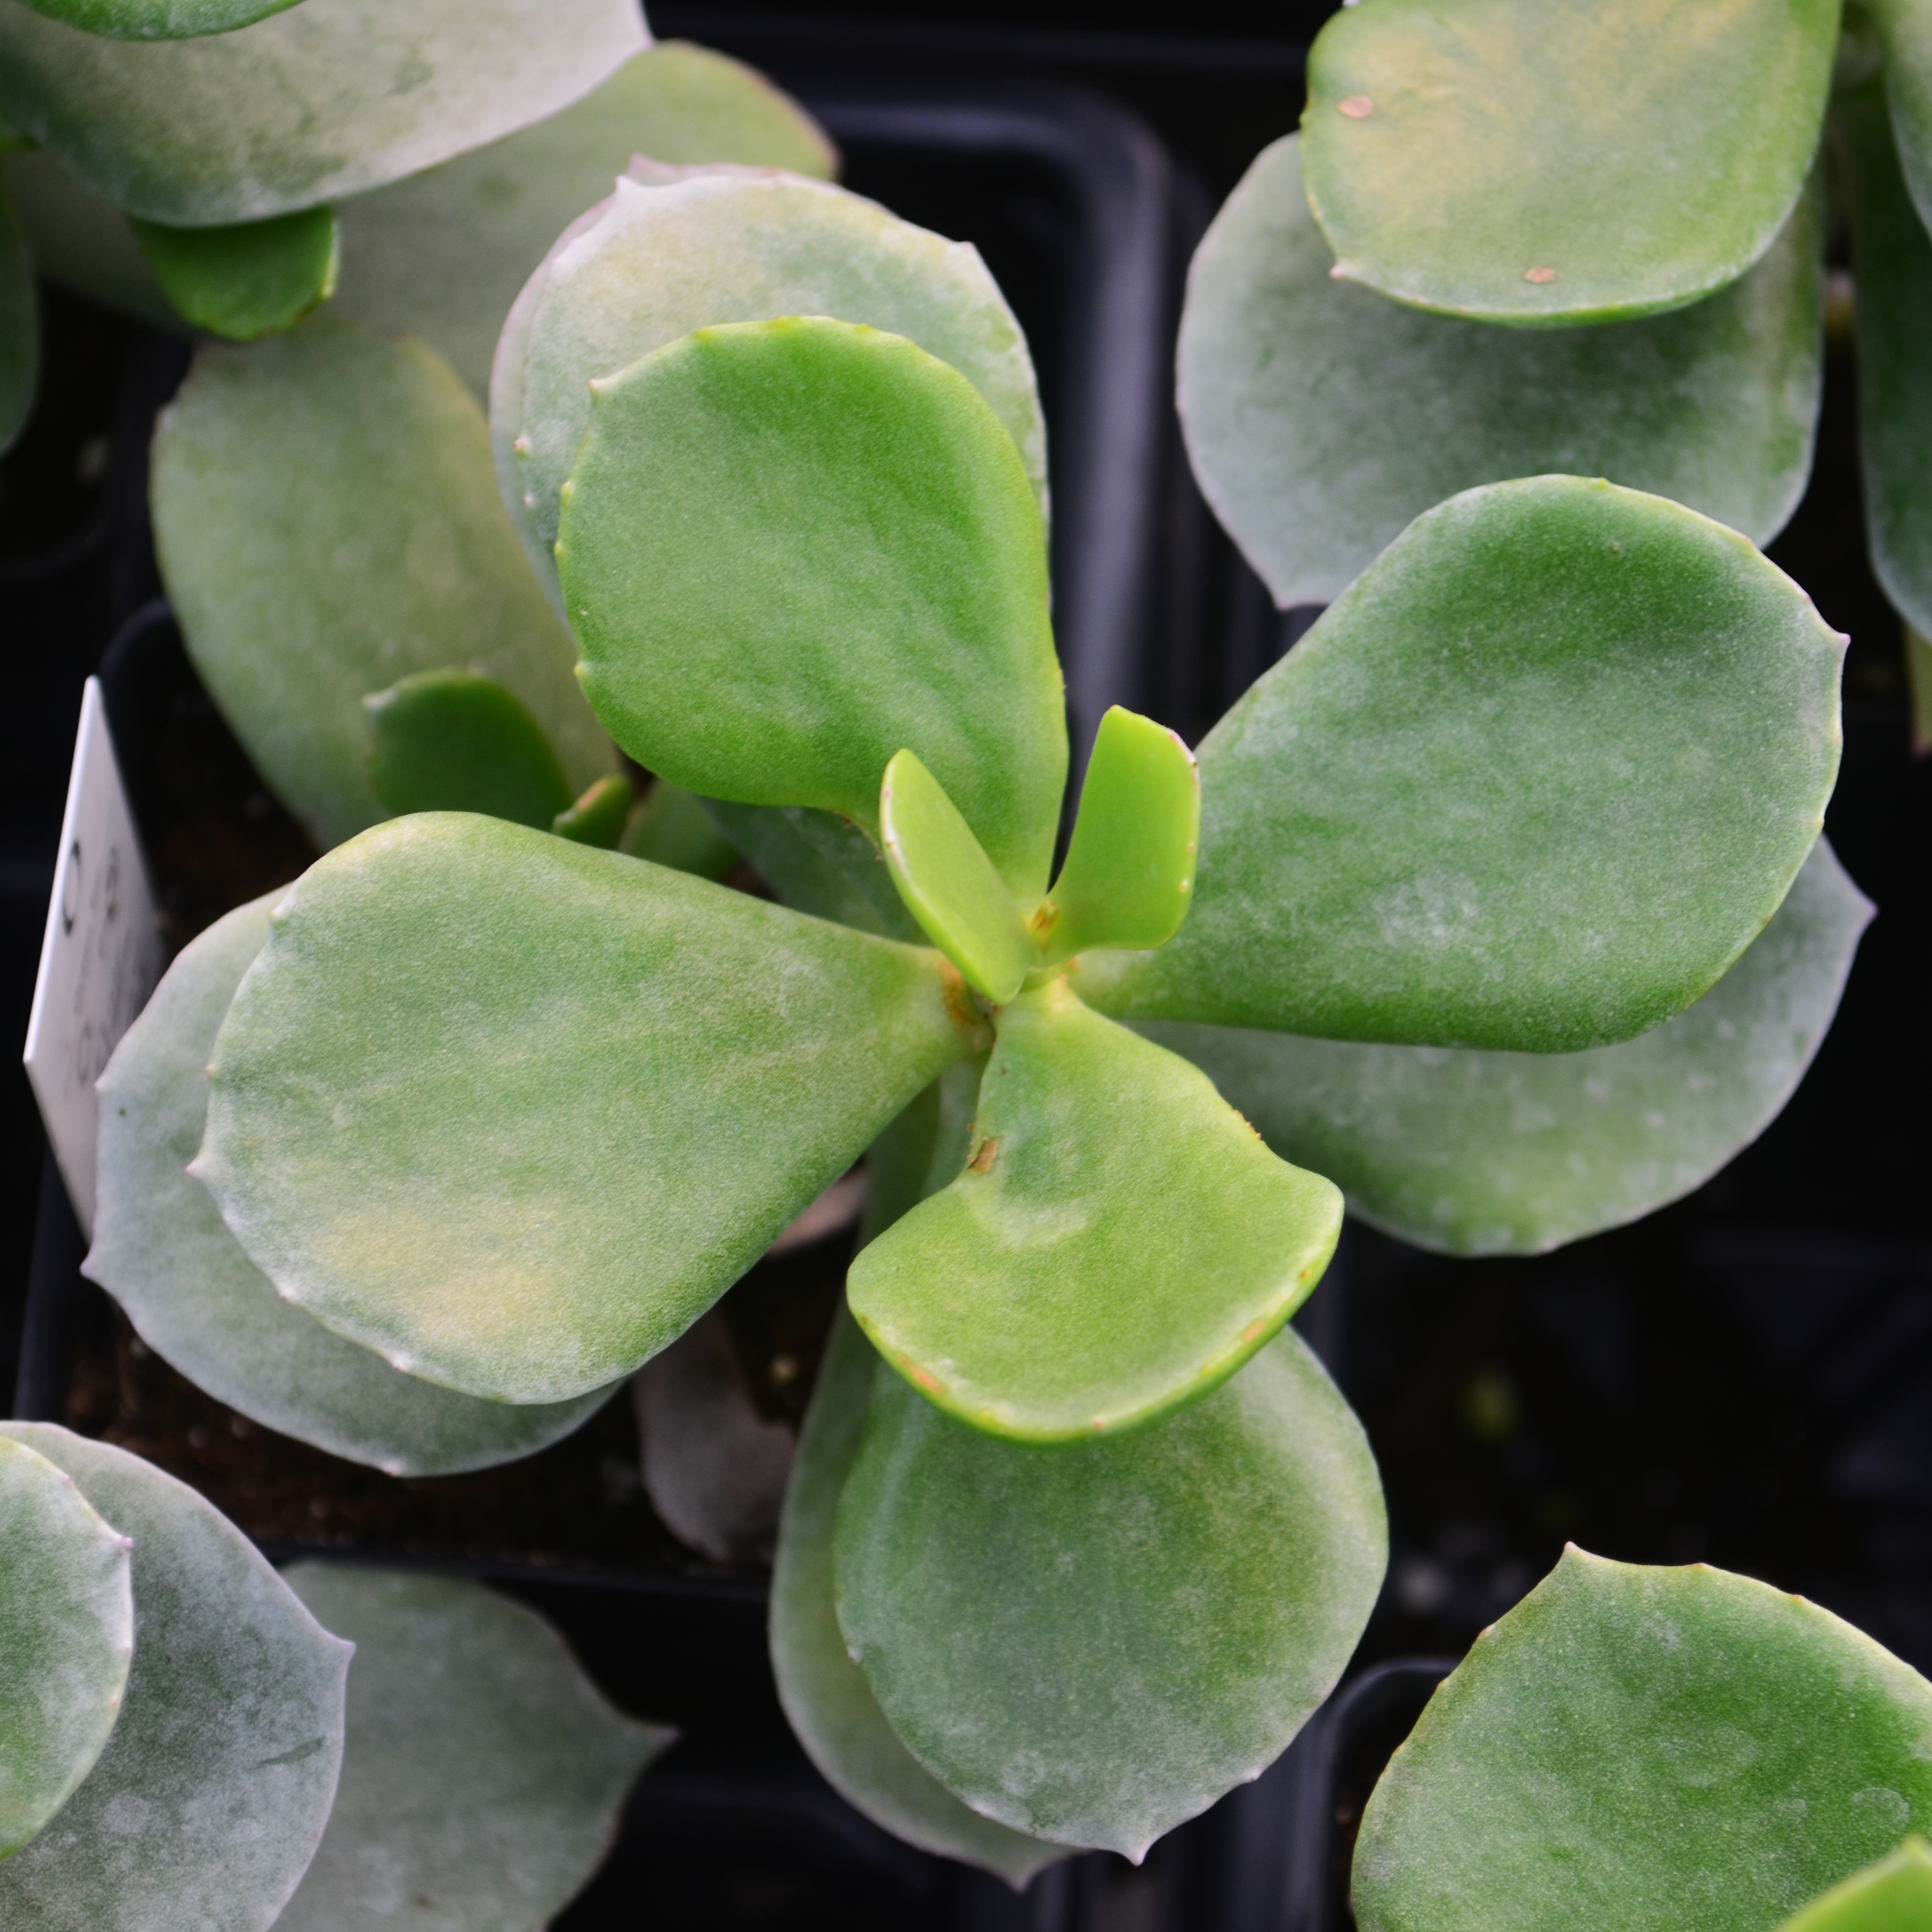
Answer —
83 241
1905 35
1476 1153
482 1774
514 1111
326 524
1091 1644
1534 782
162 1250
19 325
717 248
1321 418
325 100
205 1807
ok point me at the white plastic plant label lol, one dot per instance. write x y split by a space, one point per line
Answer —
100 957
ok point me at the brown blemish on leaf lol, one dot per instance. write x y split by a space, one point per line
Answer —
1357 107
1247 1123
1539 275
960 1007
983 1155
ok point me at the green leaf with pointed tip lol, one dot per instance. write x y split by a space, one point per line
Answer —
1895 1895
326 525
482 1774
20 326
1515 161
1129 877
515 1112
1320 418
442 254
1120 1242
818 863
161 1250
826 1698
600 817
791 549
1641 1750
1474 1152
662 260
67 1630
1894 259
1089 1645
453 741
948 884
1534 782
256 278
208 1802
675 828
321 100
158 20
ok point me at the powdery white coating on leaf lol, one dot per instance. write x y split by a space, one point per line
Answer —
826 1698
67 1630
1643 1750
327 523
483 1775
1092 1644
207 1804
19 325
514 1111
720 248
328 98
442 254
161 1250
1321 417
1475 1153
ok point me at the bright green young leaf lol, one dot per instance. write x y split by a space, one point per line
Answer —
818 863
323 100
948 884
1090 1644
256 278
1553 161
1320 418
158 20
1119 1242
1893 259
675 828
602 816
453 741
1475 1153
791 549
830 1706
1129 877
483 1773
442 254
207 1804
1895 1895
19 325
1641 1750
514 1112
161 1250
663 259
327 525
1534 781
67 1630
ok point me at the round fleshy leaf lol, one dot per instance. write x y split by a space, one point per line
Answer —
483 1774
1098 1160
663 259
442 254
19 325
321 100
1904 28
207 1804
83 243
1518 162
1320 418
514 1112
1534 781
1895 1895
161 1250
327 525
67 1630
252 280
158 20
830 1706
602 815
1640 1750
818 863
1487 1153
452 741
1091 1644
790 550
